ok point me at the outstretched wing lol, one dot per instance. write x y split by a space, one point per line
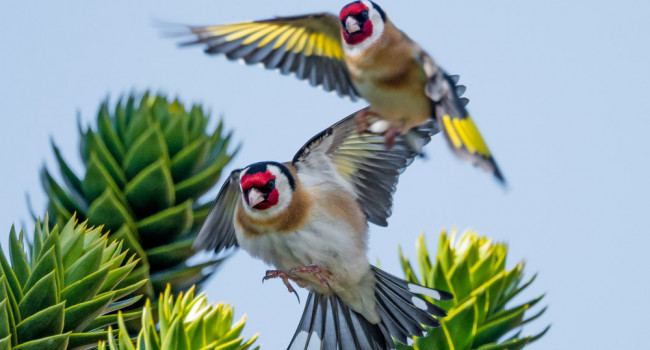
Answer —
308 46
461 133
363 161
218 232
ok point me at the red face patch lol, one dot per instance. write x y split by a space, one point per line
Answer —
355 9
259 181
352 9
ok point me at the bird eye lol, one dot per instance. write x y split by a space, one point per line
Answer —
364 15
270 185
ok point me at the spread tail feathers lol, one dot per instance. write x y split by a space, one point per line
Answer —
328 323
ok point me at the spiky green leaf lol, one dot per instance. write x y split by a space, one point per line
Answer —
109 211
42 295
145 166
55 342
42 317
473 268
46 322
18 258
186 322
151 190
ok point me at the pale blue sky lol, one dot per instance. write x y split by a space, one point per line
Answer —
558 89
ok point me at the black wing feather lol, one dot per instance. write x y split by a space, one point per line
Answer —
363 160
218 232
449 111
308 46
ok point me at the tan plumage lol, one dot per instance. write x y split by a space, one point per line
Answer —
341 205
402 83
309 219
387 74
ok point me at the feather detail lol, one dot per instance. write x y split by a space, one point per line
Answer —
328 322
308 46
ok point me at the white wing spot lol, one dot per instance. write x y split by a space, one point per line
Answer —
419 303
417 289
301 338
314 345
379 127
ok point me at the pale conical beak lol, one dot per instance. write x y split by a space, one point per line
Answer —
255 197
352 25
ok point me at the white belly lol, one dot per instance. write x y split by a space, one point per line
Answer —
323 241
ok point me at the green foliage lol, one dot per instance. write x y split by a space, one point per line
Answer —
188 323
145 167
474 270
65 291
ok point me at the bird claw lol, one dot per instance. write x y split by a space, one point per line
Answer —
285 279
363 124
361 119
320 273
390 136
317 271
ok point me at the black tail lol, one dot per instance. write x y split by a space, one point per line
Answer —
328 323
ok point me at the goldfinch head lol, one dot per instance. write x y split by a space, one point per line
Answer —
267 187
361 22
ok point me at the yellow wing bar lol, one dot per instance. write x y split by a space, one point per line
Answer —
308 46
463 132
301 40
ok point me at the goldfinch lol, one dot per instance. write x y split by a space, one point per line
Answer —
359 53
309 219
